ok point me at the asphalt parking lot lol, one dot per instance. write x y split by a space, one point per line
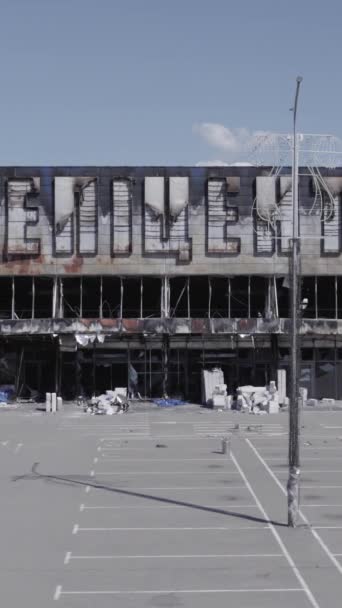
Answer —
95 514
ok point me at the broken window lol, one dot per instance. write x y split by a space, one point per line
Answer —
339 297
23 297
199 297
326 298
111 297
219 295
151 297
309 293
283 293
91 297
131 298
71 297
259 292
179 297
5 298
239 297
43 295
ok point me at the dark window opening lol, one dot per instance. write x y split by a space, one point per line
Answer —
131 298
71 297
339 297
91 297
259 295
179 297
43 289
23 297
5 297
219 297
111 297
199 297
326 297
151 297
308 292
283 292
239 297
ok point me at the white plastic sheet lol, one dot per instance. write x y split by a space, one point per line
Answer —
154 194
179 195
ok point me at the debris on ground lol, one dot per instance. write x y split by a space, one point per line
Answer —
248 398
214 390
166 402
257 399
7 392
109 403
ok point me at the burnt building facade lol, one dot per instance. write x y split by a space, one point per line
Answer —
110 275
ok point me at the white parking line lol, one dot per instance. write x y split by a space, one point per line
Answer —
276 535
304 518
283 458
326 528
317 487
155 437
69 556
167 459
183 488
227 506
78 528
138 473
317 505
304 448
60 592
307 471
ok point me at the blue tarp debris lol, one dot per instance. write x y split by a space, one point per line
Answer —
169 402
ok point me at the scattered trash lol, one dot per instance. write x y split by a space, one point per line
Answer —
307 443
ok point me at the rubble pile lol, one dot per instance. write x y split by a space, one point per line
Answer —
248 398
257 399
109 403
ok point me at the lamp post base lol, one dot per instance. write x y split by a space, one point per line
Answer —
293 497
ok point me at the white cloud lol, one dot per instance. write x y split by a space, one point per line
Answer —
219 136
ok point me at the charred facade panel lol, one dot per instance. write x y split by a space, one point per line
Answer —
167 269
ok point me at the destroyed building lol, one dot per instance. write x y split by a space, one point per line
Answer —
112 276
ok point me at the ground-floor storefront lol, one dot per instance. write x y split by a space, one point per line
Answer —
153 366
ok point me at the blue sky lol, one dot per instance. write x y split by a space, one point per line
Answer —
134 81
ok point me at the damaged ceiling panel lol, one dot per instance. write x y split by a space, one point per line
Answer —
179 195
155 195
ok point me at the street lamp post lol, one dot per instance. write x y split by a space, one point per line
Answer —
294 461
